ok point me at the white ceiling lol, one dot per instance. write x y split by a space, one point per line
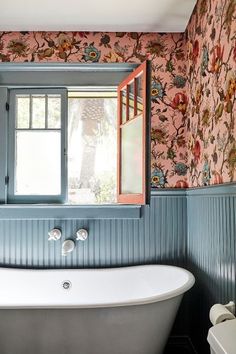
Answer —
95 15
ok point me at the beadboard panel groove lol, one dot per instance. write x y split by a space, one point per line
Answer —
159 236
211 250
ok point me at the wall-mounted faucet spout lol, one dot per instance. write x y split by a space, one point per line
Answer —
67 247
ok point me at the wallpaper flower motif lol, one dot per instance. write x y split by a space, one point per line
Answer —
169 92
211 124
193 130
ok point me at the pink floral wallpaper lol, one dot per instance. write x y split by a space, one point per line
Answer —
193 131
211 72
169 95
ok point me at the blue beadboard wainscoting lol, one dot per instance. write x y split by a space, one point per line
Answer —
211 254
194 229
159 236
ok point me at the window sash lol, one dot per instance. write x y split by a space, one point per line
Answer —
141 197
3 149
12 197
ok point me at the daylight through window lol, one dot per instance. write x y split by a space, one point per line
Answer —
92 148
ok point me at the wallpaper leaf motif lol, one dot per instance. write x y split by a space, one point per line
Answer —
211 128
193 130
169 96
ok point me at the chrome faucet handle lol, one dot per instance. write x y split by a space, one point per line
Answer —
54 234
81 235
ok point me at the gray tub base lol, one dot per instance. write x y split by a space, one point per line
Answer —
141 329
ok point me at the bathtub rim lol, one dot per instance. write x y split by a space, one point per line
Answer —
133 302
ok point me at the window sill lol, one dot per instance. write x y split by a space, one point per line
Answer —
36 211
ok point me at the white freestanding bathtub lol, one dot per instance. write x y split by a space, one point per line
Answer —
99 311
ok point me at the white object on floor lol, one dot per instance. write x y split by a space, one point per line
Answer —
222 338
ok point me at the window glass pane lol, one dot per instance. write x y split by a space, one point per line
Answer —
131 155
92 150
140 94
131 100
38 163
38 111
23 112
54 111
123 106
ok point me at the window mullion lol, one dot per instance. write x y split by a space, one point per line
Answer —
3 139
64 147
46 112
31 113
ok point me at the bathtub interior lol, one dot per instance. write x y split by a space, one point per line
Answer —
92 288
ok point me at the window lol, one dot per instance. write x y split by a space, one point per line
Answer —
37 146
92 148
66 145
132 137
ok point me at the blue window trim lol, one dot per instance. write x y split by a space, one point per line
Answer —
17 211
63 74
57 75
72 67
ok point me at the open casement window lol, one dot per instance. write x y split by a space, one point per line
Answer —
133 111
37 146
